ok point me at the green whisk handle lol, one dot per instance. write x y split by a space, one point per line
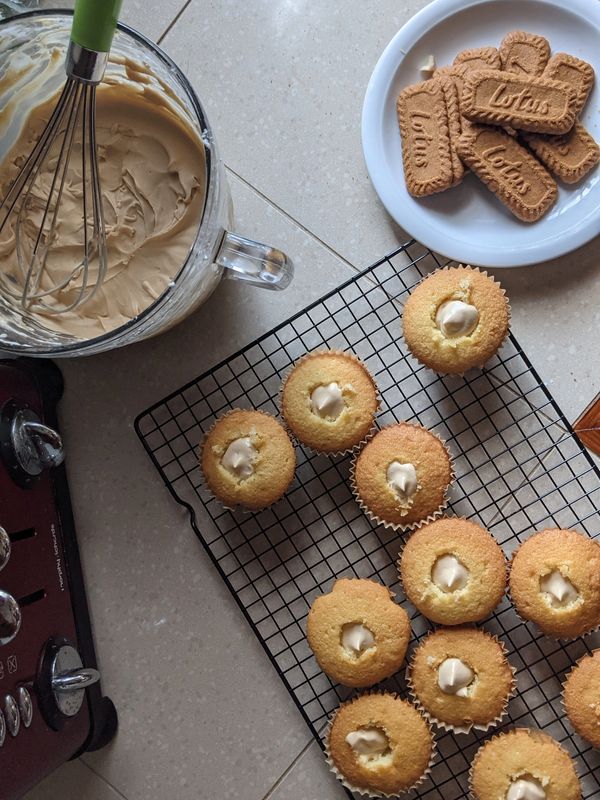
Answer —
94 23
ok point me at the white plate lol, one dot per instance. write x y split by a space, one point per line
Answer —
468 223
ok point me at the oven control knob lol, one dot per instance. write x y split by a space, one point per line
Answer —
25 706
69 679
36 446
2 729
11 712
4 548
10 617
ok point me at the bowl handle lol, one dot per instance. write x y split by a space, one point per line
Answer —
255 263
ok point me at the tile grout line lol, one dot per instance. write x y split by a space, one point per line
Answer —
288 769
332 251
173 22
102 778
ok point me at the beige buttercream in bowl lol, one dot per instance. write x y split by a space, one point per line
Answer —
153 187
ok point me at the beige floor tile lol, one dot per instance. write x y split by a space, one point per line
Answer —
284 90
73 780
202 712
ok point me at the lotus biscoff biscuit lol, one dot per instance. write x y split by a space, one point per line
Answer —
524 53
574 71
570 156
539 105
425 132
509 170
479 58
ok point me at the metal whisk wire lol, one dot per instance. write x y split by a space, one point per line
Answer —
37 288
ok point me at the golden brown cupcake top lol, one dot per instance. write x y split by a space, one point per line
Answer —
329 401
555 582
357 632
461 677
380 743
582 697
455 319
248 459
402 474
523 763
453 571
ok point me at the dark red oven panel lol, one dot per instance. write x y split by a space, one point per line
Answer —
51 705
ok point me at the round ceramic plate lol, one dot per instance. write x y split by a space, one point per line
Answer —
467 223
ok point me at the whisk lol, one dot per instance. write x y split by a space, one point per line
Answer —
35 208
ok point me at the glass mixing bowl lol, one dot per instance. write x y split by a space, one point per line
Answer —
215 251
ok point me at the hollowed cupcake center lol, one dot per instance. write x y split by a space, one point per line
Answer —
526 787
449 574
327 400
402 480
356 638
456 318
455 677
370 744
558 590
240 457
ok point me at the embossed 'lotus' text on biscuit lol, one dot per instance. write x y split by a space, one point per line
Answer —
518 101
421 139
538 105
511 170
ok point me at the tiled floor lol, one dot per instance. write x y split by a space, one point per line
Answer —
202 713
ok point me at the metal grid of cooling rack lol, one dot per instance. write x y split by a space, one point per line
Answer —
519 468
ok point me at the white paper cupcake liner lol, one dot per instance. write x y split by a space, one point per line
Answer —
562 640
467 728
475 366
400 526
239 508
298 442
358 789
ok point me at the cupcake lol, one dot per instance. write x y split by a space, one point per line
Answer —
329 401
401 476
247 459
581 697
554 581
358 634
455 319
378 744
461 678
523 764
453 571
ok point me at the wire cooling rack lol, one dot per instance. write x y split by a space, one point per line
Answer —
519 469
